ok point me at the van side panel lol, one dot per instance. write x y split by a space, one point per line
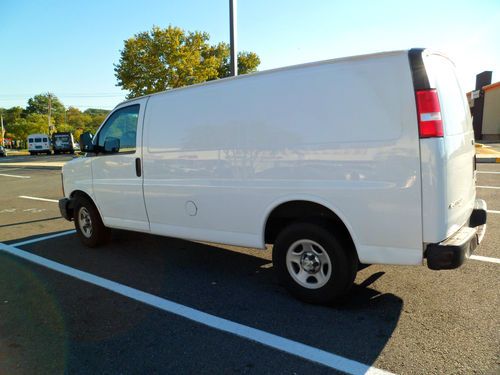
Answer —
219 157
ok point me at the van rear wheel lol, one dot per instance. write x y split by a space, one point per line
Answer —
88 223
314 265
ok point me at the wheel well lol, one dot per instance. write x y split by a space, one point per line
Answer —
79 193
293 211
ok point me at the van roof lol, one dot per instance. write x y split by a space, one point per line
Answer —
290 67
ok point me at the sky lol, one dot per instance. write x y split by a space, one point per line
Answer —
69 48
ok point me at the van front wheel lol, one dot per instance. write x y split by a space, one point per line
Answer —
88 223
312 263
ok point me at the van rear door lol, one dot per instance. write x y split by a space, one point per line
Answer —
448 158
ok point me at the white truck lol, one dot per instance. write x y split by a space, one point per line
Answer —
39 144
359 160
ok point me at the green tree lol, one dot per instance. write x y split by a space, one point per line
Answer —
77 119
97 118
163 59
12 115
77 133
40 104
33 123
96 121
63 128
247 62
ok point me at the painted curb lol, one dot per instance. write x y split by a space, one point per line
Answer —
489 159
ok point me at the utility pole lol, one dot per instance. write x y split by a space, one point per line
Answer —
50 108
232 37
2 131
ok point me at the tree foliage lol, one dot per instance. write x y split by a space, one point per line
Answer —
20 122
163 59
40 104
32 123
12 114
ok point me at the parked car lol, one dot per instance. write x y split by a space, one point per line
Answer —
359 160
3 151
63 142
39 144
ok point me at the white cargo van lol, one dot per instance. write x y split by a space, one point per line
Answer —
39 144
358 160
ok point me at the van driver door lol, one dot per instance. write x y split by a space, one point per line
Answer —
117 168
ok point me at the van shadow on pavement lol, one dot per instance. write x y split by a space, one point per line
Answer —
235 285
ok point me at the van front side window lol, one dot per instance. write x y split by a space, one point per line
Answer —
121 126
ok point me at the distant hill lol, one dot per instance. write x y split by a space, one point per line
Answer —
96 111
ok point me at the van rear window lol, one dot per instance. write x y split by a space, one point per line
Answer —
45 139
38 139
30 140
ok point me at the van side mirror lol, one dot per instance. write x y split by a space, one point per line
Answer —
86 144
111 145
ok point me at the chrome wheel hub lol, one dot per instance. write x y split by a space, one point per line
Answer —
85 222
309 264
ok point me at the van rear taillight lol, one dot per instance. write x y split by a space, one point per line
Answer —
430 123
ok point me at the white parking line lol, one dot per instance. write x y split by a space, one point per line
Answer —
274 341
38 239
485 259
38 199
13 175
487 172
488 187
493 211
9 169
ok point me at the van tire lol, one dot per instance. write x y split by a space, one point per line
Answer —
92 233
335 272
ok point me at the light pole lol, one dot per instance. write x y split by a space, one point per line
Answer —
50 108
232 38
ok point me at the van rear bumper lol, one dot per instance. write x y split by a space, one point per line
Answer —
452 252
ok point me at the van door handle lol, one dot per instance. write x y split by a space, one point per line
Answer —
138 167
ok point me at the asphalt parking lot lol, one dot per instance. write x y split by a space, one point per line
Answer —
163 305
